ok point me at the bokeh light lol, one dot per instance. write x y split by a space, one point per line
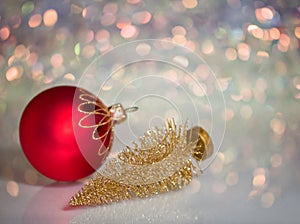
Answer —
50 17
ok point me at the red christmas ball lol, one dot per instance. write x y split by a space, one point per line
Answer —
66 133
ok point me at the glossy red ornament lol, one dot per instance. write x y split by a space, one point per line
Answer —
66 133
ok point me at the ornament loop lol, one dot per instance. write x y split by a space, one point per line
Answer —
118 113
131 109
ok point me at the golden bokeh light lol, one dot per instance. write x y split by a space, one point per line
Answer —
13 73
189 4
12 188
50 17
35 20
4 33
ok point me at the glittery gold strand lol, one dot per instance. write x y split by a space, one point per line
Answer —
162 162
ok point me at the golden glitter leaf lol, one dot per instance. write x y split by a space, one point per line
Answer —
164 160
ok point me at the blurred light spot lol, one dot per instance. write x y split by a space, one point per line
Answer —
267 13
267 200
232 178
179 39
297 32
252 27
102 35
229 156
199 89
56 60
262 54
27 7
231 54
108 19
278 126
256 31
106 87
129 32
12 188
203 71
259 171
236 98
143 17
172 75
77 49
21 51
284 42
261 84
123 22
246 94
219 187
276 160
274 33
133 1
84 12
159 21
228 115
217 166
89 36
47 79
37 71
30 177
35 20
253 193
88 51
264 15
16 21
189 4
207 47
259 180
179 30
195 186
181 61
69 76
50 17
4 33
246 112
244 51
105 47
296 82
221 156
90 12
143 49
297 96
14 73
110 7
190 45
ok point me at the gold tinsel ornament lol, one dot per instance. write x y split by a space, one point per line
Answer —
166 159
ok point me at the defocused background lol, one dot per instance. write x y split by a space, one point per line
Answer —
253 49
